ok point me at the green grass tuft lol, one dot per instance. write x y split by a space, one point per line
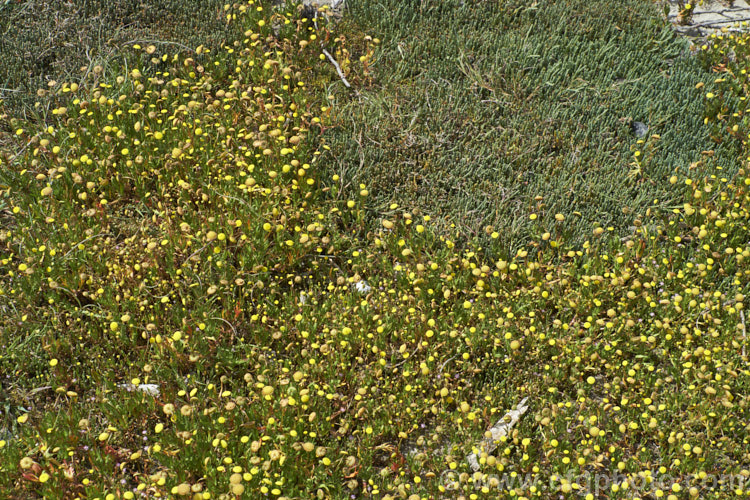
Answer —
487 112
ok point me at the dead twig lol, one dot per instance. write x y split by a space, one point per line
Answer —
330 57
405 359
338 68
744 333
228 323
442 366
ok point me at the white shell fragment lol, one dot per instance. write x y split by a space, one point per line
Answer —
150 389
500 429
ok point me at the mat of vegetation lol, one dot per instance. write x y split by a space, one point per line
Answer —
483 111
44 41
191 308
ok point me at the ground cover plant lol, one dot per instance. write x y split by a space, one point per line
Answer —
51 41
502 109
193 304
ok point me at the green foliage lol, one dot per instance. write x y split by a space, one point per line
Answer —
47 41
497 110
726 99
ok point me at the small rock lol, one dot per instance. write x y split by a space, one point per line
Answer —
640 129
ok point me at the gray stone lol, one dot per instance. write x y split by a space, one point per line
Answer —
708 18
640 129
332 8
